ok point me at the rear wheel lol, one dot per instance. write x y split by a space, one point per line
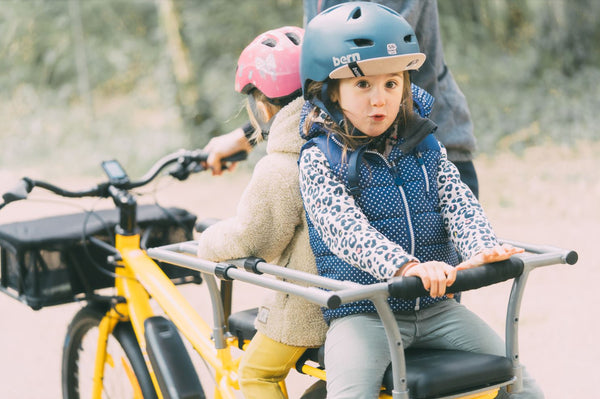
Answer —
125 372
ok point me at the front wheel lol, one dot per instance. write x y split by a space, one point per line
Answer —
125 372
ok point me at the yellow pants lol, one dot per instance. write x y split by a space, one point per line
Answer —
264 364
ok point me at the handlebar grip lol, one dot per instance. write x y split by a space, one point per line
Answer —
238 156
18 192
469 279
202 156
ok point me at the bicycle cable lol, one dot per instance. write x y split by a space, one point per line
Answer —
85 240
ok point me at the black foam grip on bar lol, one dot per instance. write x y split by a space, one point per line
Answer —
469 279
251 264
221 270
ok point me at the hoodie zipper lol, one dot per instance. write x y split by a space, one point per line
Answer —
421 163
399 183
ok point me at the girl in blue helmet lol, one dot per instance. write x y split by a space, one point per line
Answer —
382 199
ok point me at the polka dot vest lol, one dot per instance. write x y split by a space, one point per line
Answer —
399 198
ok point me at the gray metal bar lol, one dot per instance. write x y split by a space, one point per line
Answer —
553 255
400 390
543 259
346 292
190 247
312 294
299 276
357 292
512 327
219 326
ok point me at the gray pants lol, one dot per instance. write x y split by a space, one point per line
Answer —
357 352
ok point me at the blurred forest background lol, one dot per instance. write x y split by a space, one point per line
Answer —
87 80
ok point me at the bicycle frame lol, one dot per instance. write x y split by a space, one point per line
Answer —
139 279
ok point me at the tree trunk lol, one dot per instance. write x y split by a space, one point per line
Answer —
181 64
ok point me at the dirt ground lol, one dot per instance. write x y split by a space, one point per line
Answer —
546 195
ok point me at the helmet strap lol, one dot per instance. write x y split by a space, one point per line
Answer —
264 126
328 106
356 71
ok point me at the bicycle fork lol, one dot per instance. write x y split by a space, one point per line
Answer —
139 306
105 329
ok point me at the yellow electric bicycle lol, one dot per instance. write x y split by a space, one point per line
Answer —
124 261
116 346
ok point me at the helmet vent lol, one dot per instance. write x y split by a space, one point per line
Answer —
356 14
294 38
269 42
363 42
408 38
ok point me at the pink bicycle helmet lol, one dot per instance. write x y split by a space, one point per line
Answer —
271 64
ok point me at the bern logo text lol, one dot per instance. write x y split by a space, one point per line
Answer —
345 59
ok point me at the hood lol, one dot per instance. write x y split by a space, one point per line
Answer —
416 130
283 135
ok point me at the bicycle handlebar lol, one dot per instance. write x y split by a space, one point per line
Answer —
189 161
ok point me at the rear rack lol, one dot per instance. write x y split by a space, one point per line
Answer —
332 293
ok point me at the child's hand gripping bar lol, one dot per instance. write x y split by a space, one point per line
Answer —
469 279
488 274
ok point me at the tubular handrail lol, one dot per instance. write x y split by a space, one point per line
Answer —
333 293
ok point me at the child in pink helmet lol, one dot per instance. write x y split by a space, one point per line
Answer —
270 221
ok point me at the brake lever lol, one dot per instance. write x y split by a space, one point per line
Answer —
180 172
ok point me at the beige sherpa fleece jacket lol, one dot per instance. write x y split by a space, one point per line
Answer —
270 224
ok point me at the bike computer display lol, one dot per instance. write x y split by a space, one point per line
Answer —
114 171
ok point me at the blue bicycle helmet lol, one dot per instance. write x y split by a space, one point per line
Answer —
357 39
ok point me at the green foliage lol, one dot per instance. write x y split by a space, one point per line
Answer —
569 36
134 113
513 62
37 47
528 68
216 32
